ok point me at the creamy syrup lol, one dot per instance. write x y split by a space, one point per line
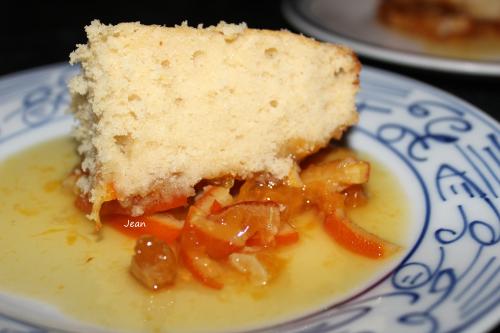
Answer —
50 252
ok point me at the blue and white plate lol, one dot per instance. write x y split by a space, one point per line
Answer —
446 155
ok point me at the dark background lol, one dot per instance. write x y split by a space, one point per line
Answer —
39 33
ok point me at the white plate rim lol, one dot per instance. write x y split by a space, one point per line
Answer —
294 12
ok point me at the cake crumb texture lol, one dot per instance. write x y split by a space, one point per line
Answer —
161 108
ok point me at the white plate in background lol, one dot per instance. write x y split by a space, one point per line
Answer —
354 23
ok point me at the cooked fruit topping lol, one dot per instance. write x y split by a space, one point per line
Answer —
237 227
154 263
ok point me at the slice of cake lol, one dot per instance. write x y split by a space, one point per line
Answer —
160 109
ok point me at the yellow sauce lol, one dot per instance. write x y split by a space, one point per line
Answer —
50 252
480 48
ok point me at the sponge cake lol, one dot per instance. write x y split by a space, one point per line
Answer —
161 108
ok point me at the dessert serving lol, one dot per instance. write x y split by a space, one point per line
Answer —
180 117
176 117
443 19
201 178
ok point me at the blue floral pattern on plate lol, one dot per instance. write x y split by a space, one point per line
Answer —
448 281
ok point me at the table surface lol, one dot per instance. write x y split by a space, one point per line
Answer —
42 33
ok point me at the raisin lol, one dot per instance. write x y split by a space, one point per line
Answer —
154 264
